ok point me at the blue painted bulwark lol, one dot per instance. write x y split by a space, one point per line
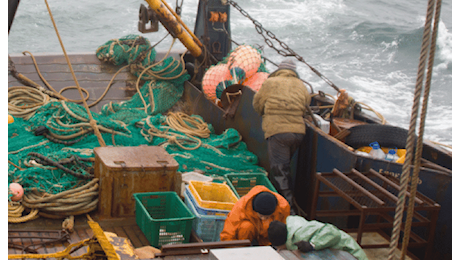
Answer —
247 121
330 153
321 152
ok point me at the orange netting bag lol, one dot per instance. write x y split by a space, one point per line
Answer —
256 80
213 76
244 62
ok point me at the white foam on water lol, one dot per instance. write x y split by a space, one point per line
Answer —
444 47
393 101
288 14
443 44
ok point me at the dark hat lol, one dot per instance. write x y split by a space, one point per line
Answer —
277 233
264 203
287 64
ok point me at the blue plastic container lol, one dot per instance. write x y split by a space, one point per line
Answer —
207 227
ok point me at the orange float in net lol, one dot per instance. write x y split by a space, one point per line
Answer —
213 76
256 80
243 62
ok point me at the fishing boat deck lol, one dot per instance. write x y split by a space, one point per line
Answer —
93 75
124 228
46 228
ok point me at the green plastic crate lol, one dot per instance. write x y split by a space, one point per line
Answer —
163 218
242 183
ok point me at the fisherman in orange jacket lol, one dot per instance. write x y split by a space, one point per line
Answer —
250 217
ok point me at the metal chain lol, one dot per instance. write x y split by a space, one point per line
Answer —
287 51
179 7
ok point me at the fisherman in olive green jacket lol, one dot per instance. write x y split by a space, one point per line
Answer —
282 101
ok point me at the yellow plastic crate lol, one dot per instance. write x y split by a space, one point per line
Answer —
213 195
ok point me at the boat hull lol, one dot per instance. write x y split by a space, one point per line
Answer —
330 153
319 152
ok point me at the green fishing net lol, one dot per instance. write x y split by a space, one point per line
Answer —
125 50
162 82
159 96
217 154
25 169
129 123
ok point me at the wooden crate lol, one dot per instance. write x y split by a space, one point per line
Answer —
123 171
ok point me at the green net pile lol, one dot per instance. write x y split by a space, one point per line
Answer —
128 123
30 174
162 82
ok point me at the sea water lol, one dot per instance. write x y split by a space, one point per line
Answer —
371 48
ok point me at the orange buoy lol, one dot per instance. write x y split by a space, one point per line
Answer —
256 80
243 62
17 191
10 119
213 76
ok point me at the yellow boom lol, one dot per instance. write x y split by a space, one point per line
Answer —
172 22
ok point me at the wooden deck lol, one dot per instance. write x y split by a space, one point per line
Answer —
92 75
125 228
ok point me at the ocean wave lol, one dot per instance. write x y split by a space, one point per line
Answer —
292 14
444 45
370 48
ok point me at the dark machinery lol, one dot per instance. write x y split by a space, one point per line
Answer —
212 27
12 7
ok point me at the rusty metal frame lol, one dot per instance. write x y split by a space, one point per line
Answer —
381 203
54 236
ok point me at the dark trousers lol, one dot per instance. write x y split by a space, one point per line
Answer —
281 148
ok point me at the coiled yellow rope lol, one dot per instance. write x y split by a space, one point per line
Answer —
190 127
15 210
71 202
24 101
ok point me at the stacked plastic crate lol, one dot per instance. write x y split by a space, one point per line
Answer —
210 202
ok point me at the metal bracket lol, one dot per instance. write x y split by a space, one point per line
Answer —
147 15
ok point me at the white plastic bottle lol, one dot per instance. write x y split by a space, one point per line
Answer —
391 156
376 152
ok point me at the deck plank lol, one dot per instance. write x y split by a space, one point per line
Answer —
138 233
74 238
92 75
131 235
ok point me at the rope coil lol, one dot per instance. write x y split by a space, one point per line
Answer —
67 203
15 211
